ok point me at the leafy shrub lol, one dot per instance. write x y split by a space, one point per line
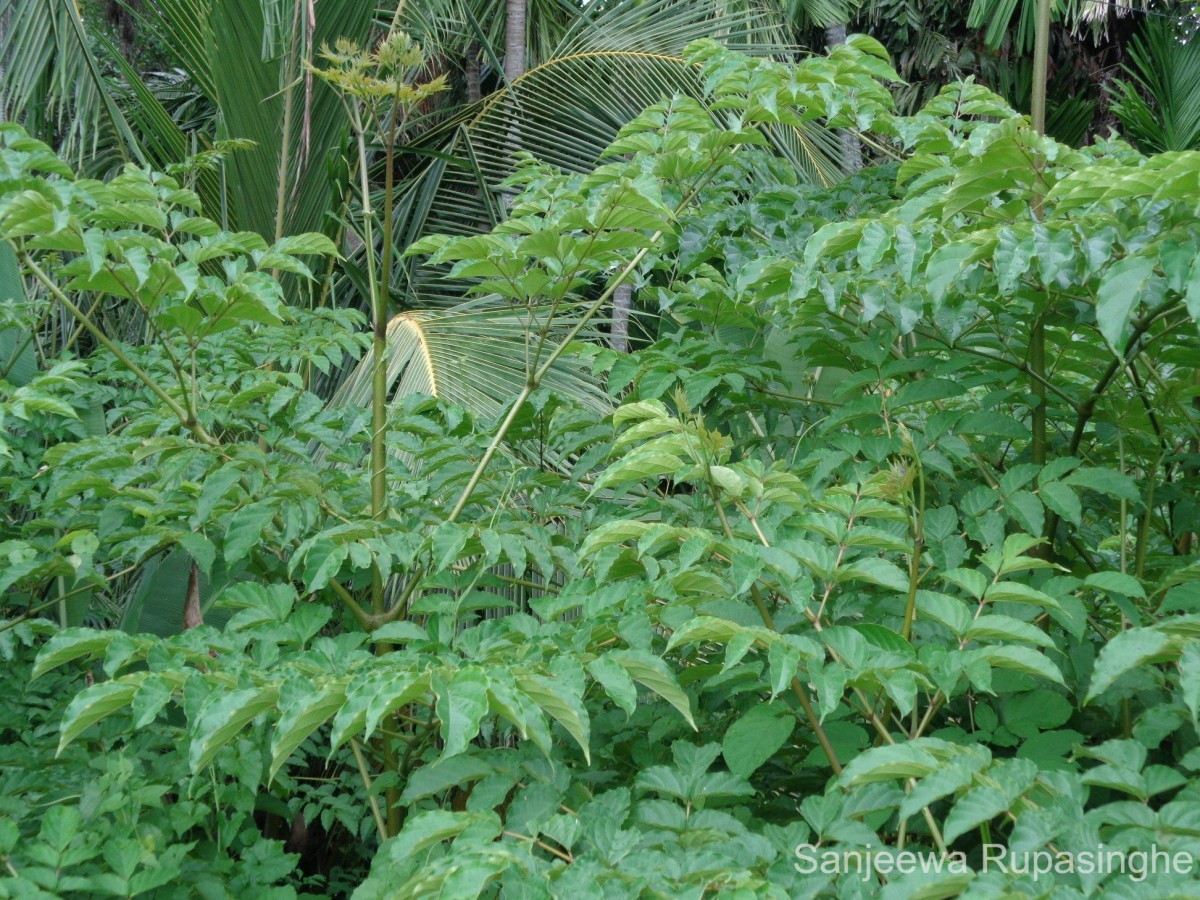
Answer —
889 545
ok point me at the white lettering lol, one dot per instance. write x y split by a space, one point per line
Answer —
870 863
995 854
806 864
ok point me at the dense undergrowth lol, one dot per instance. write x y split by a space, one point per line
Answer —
889 543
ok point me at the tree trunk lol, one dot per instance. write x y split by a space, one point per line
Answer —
515 51
622 300
123 23
515 48
472 74
851 146
193 617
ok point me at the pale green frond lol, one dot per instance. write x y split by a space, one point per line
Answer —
476 355
253 97
183 26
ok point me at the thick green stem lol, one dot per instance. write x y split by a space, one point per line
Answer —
1037 334
1041 66
379 386
360 615
378 352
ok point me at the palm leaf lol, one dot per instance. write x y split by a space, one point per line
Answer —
805 14
183 27
156 606
445 29
474 355
252 96
270 43
617 59
54 83
1158 104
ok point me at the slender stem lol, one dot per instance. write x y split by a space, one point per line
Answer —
538 843
186 387
366 778
285 146
798 691
379 337
389 183
536 377
1037 334
1087 407
914 561
866 710
1143 533
360 614
379 397
1037 376
62 602
185 418
32 611
1039 380
764 613
19 351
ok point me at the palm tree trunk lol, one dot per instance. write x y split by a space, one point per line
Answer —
515 48
619 332
515 53
121 19
472 74
4 19
851 146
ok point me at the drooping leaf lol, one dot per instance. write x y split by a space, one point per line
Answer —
1127 651
222 717
92 705
756 737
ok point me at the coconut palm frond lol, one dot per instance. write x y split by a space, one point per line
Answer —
617 59
55 85
475 355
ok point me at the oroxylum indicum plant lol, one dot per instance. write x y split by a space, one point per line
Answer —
847 568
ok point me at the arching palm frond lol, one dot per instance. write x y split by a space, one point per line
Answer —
448 29
55 85
279 186
1014 20
804 14
475 355
618 58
